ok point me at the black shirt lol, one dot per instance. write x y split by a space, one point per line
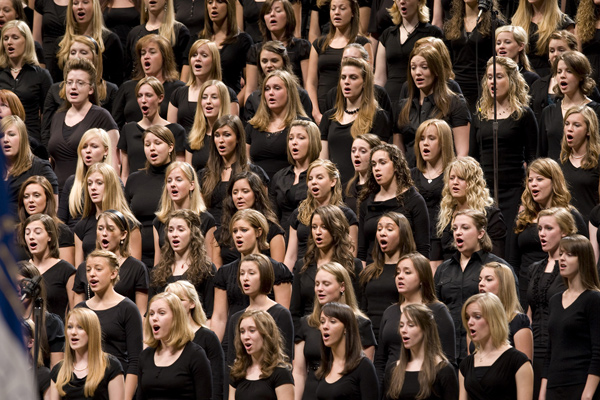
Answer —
121 21
74 389
539 62
55 279
356 385
53 26
285 196
379 294
209 341
445 385
263 388
381 95
583 185
191 14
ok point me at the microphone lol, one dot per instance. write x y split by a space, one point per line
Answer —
32 288
483 5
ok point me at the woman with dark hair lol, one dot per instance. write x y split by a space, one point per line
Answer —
351 374
356 112
390 187
246 191
415 285
573 86
571 366
422 370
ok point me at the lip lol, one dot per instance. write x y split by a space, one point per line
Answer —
104 243
32 246
155 329
145 109
31 208
239 243
460 242
93 282
175 242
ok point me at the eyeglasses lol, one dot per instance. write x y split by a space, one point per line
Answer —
79 84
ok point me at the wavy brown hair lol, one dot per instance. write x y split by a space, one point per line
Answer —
585 20
581 247
423 269
580 66
232 29
454 27
354 23
310 204
169 68
590 159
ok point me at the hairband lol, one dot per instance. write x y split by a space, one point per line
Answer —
97 48
121 217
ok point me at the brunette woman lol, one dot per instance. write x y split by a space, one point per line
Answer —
573 85
20 163
158 18
213 104
41 237
411 23
78 116
86 19
332 284
422 369
119 317
356 112
474 248
227 158
540 19
498 279
288 186
390 187
233 43
414 283
434 152
205 61
22 74
484 318
36 197
545 281
183 257
87 371
203 336
132 141
324 188
256 277
465 189
112 234
517 132
246 191
94 147
267 131
430 97
545 188
329 242
154 57
511 42
181 191
579 158
361 160
249 230
172 366
326 52
261 366
471 44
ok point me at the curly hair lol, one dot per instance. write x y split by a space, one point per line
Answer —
517 89
585 20
200 266
580 66
590 159
310 204
561 197
478 195
454 27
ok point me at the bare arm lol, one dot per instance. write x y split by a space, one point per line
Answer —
155 236
354 239
219 317
79 297
299 370
461 383
591 384
277 246
116 388
67 254
292 249
78 252
283 294
131 382
369 49
461 140
188 157
135 244
438 14
369 352
185 73
210 238
234 108
114 139
365 15
314 30
70 291
251 79
285 392
53 391
594 239
381 66
172 114
231 393
141 301
312 83
248 152
304 68
297 6
37 27
239 17
324 150
124 166
524 342
543 386
55 358
529 314
524 380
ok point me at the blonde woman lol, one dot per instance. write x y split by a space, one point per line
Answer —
512 42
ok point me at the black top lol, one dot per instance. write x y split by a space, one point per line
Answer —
498 381
285 196
583 185
453 287
573 350
591 49
54 101
209 341
329 67
445 386
191 14
539 62
458 115
64 139
55 331
595 220
233 55
200 156
303 289
397 54
130 141
55 280
133 277
13 183
188 378
517 142
143 192
339 139
540 98
85 230
251 11
30 86
431 190
186 109
263 388
53 26
121 21
303 232
126 108
412 206
356 385
205 289
390 340
312 350
180 47
121 333
268 150
74 389
298 50
253 102
551 129
283 320
379 294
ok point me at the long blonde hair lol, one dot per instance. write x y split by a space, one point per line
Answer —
590 159
184 289
166 205
310 204
24 159
200 126
507 288
585 20
29 56
551 21
520 36
169 27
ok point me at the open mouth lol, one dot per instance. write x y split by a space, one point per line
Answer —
426 152
152 2
155 329
405 339
419 82
104 243
147 65
272 21
246 287
502 53
459 242
153 156
93 282
145 109
357 163
208 109
403 10
248 346
31 208
174 192
535 192
10 49
73 94
377 177
239 243
326 336
383 244
175 242
473 332
32 246
563 85
81 14
222 149
569 137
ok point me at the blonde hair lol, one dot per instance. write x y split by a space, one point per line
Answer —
590 159
585 20
493 313
551 21
29 56
185 290
423 12
215 72
166 205
445 138
181 331
520 36
200 126
24 159
169 27
309 204
111 260
507 288
563 217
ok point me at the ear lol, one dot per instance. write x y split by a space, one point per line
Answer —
259 232
161 98
333 183
480 234
124 235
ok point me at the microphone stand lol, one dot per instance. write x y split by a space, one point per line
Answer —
37 320
494 14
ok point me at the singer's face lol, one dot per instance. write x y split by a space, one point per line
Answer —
502 83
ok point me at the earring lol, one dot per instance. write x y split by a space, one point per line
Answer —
146 9
342 293
122 241
165 7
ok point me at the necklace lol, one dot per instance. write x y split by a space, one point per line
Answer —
351 112
435 174
483 355
80 369
15 69
577 157
406 30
